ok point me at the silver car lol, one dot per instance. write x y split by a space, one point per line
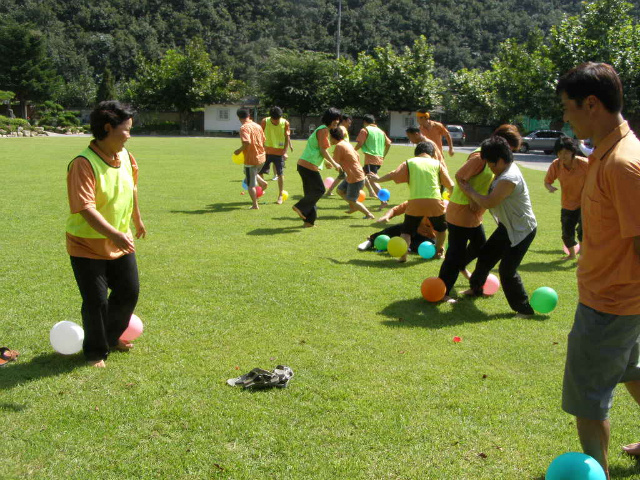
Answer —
540 140
458 137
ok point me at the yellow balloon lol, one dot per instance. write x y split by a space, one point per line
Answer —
445 195
397 247
238 159
285 195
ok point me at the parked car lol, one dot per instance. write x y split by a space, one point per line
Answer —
540 140
458 137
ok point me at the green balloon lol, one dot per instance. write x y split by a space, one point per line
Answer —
544 300
381 242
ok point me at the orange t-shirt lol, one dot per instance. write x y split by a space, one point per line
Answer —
609 267
438 152
81 190
347 157
571 181
418 207
425 228
254 153
435 133
462 215
287 133
323 142
371 159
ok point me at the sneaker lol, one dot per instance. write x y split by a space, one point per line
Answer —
274 178
366 245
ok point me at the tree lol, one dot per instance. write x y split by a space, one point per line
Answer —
471 97
25 68
182 80
107 89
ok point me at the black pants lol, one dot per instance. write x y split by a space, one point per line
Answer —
313 189
498 249
396 231
464 246
571 221
105 316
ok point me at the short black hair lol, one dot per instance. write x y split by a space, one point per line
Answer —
597 79
369 118
412 130
345 116
337 133
110 111
425 147
566 143
496 148
242 113
330 115
275 112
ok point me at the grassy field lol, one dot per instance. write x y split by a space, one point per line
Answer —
380 389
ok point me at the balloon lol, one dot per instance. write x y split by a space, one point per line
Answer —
238 159
433 289
492 285
244 184
66 337
259 191
285 195
397 247
445 195
381 241
566 250
384 195
575 466
328 182
427 250
134 330
446 204
544 299
362 196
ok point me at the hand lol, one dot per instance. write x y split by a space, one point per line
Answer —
373 175
383 219
451 152
284 157
238 151
473 206
552 189
141 231
123 241
464 184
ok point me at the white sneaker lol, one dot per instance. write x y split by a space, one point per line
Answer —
366 245
274 178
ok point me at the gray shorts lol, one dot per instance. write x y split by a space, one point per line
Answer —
352 189
250 174
602 351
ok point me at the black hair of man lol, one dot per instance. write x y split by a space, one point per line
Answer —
242 113
275 113
330 115
566 143
597 79
369 118
110 112
414 130
494 149
425 147
345 116
337 133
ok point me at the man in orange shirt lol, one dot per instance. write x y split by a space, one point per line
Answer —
571 170
434 131
252 137
603 345
415 136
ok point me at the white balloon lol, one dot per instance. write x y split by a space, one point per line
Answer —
66 337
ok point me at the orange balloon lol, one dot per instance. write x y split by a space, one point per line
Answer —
362 196
433 289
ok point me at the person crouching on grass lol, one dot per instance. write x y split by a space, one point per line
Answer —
571 171
252 137
425 175
349 160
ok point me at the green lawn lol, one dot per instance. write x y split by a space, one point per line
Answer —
380 389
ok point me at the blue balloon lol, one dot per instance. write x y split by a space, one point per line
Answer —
244 184
575 466
427 250
384 195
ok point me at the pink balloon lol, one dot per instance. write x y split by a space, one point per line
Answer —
446 203
328 182
492 285
566 250
134 330
259 191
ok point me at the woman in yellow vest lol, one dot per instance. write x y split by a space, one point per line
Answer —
277 132
464 216
103 199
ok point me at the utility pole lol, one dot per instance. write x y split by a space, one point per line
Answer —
339 23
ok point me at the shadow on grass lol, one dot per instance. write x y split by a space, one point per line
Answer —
416 312
382 260
631 471
42 366
552 266
217 208
275 231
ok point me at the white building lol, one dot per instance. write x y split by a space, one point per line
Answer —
223 118
399 122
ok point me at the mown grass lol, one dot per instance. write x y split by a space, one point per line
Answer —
380 391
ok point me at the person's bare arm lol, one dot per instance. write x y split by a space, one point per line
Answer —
502 190
96 221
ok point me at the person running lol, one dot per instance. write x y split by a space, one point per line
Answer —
434 131
464 215
277 132
509 201
310 163
424 175
375 144
415 136
345 125
252 137
571 171
349 161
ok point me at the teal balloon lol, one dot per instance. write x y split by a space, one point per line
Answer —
575 466
427 250
380 243
244 184
544 300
